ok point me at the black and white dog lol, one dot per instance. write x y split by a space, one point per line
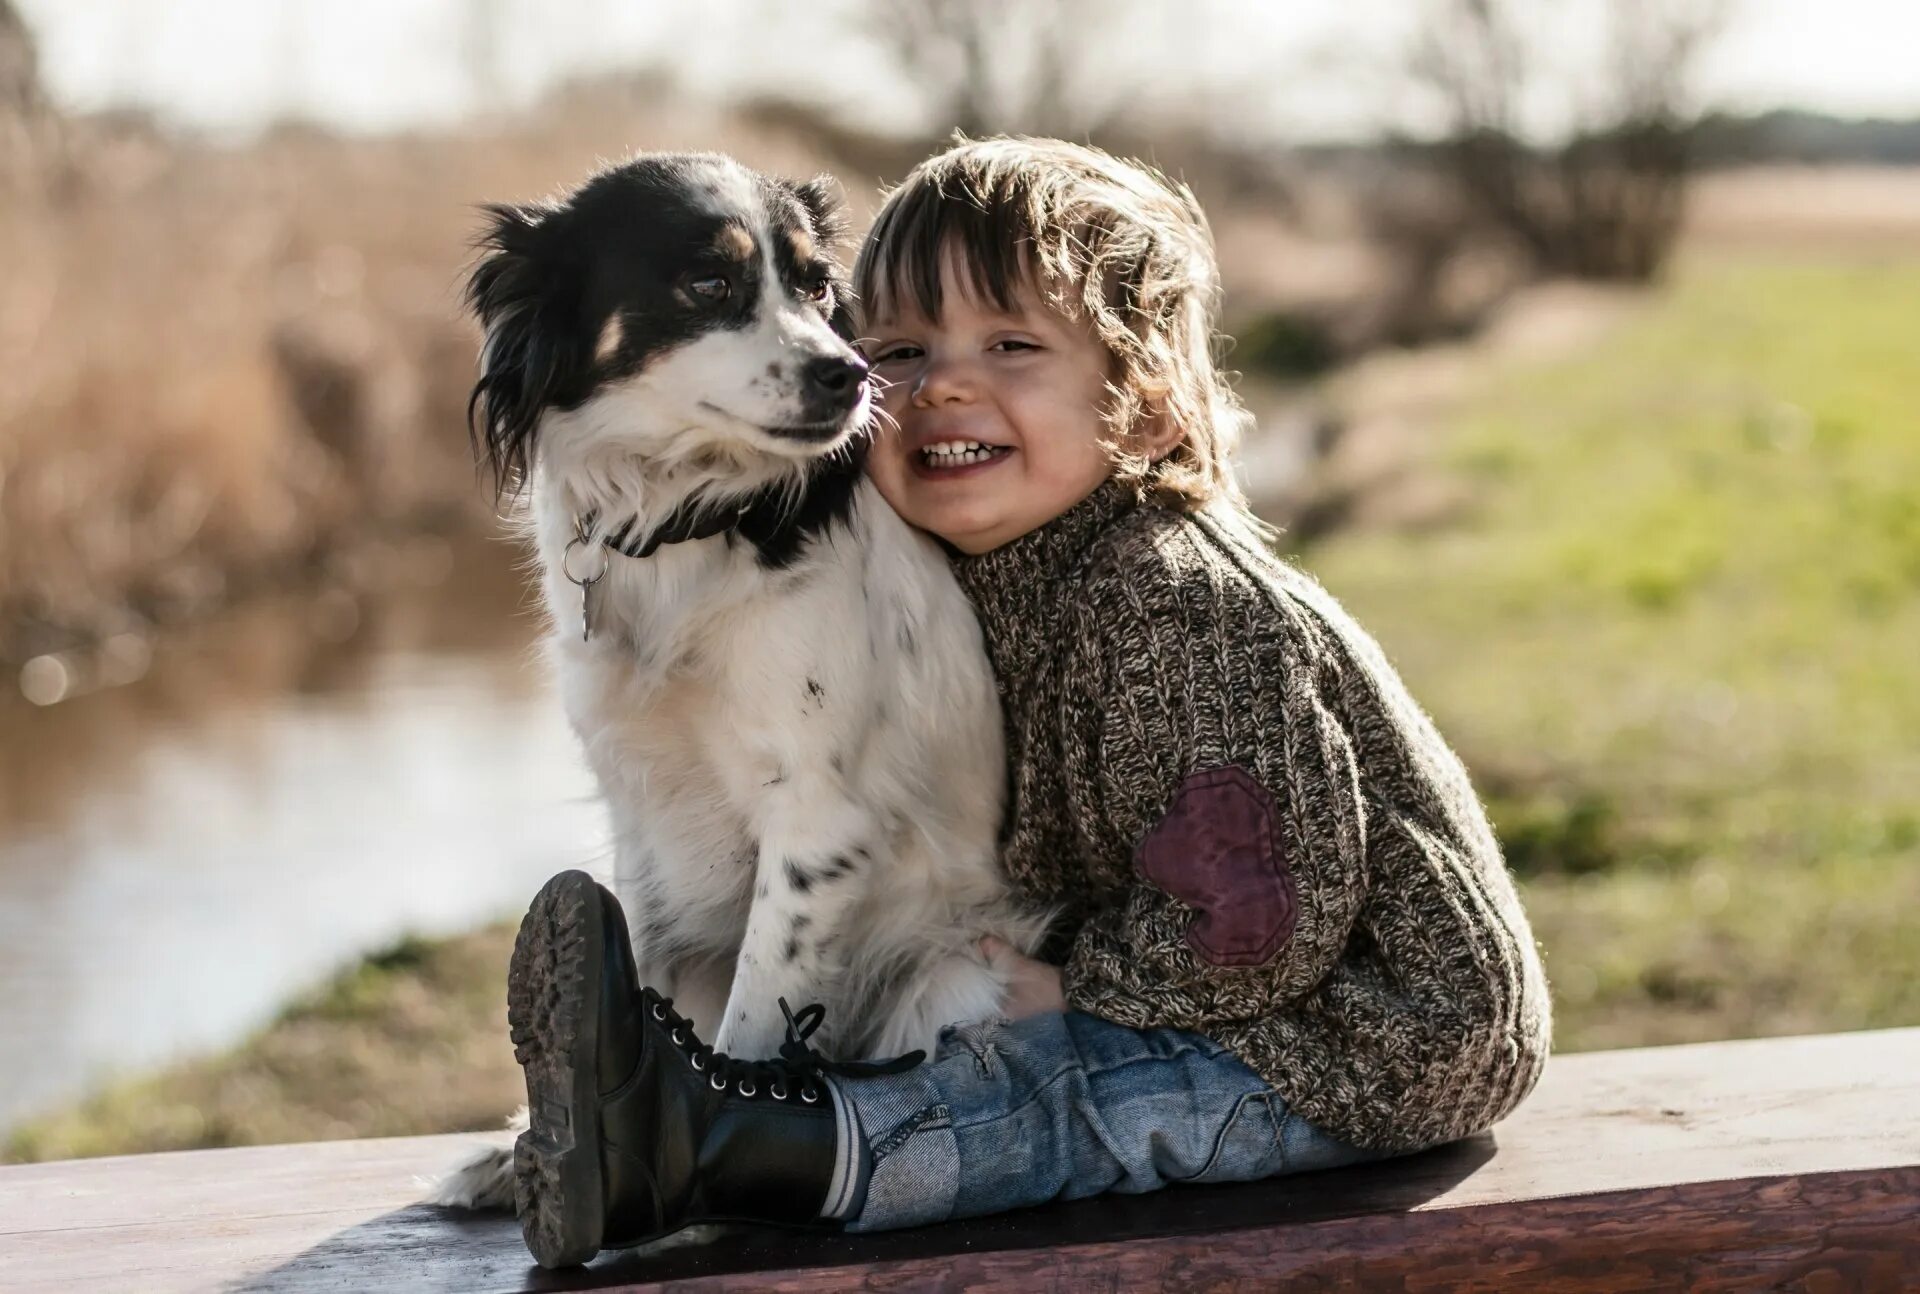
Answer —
781 689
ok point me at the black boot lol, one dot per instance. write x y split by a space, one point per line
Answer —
637 1128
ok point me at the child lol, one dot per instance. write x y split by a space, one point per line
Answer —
1291 941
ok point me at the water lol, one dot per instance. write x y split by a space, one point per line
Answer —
283 791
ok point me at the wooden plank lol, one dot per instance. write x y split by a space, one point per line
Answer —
1850 1232
1708 1165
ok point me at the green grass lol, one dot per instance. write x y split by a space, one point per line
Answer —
1677 639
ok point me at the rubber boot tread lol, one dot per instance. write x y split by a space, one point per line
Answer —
553 992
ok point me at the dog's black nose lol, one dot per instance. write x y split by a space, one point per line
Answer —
834 377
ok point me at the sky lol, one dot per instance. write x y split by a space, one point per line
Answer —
1311 69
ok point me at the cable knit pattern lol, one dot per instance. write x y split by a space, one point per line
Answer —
1259 835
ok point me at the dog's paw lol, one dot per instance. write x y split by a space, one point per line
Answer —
483 1181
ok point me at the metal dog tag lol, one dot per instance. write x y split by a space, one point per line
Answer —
586 611
591 573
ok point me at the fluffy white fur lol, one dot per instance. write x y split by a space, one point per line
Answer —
745 722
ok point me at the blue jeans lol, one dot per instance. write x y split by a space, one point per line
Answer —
1060 1106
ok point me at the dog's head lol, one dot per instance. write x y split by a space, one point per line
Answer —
675 307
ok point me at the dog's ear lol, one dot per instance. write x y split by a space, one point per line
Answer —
842 320
827 213
526 294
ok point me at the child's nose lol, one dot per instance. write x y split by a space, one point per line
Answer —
940 381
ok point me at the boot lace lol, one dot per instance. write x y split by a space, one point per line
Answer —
795 1075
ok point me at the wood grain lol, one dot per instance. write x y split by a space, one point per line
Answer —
1790 1162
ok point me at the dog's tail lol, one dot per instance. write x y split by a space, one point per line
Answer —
483 1180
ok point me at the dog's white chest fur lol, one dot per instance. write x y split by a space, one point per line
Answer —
804 776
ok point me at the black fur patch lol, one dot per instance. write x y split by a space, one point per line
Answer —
799 923
781 533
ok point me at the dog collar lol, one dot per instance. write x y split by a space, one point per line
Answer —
687 522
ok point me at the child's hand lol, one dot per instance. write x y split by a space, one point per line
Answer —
1032 986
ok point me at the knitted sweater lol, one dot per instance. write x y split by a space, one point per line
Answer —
1259 836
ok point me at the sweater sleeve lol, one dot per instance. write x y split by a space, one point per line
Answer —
1218 796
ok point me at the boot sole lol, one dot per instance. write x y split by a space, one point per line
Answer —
553 1009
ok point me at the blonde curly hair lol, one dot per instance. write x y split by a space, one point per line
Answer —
1103 239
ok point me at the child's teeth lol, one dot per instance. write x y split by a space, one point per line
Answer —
952 453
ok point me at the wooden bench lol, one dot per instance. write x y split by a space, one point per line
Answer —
1726 1166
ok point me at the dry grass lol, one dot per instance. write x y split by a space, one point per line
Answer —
222 365
1778 209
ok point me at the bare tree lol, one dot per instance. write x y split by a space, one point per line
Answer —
20 94
1004 65
1605 201
27 124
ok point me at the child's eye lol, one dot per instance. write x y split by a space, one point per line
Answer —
1014 343
893 353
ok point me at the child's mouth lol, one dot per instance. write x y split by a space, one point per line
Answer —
950 458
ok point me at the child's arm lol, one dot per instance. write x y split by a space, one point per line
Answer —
1220 802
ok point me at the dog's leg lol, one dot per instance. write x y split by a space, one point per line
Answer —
810 878
699 988
695 977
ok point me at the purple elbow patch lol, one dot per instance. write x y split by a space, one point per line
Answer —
1218 851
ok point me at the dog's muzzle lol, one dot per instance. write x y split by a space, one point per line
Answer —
832 388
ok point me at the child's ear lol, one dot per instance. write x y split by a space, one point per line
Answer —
1157 434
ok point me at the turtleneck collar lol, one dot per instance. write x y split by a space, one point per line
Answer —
1017 587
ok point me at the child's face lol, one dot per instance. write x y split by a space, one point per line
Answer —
1029 387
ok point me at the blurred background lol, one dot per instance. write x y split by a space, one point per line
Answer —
1583 339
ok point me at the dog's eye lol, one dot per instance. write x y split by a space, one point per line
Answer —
715 288
819 289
